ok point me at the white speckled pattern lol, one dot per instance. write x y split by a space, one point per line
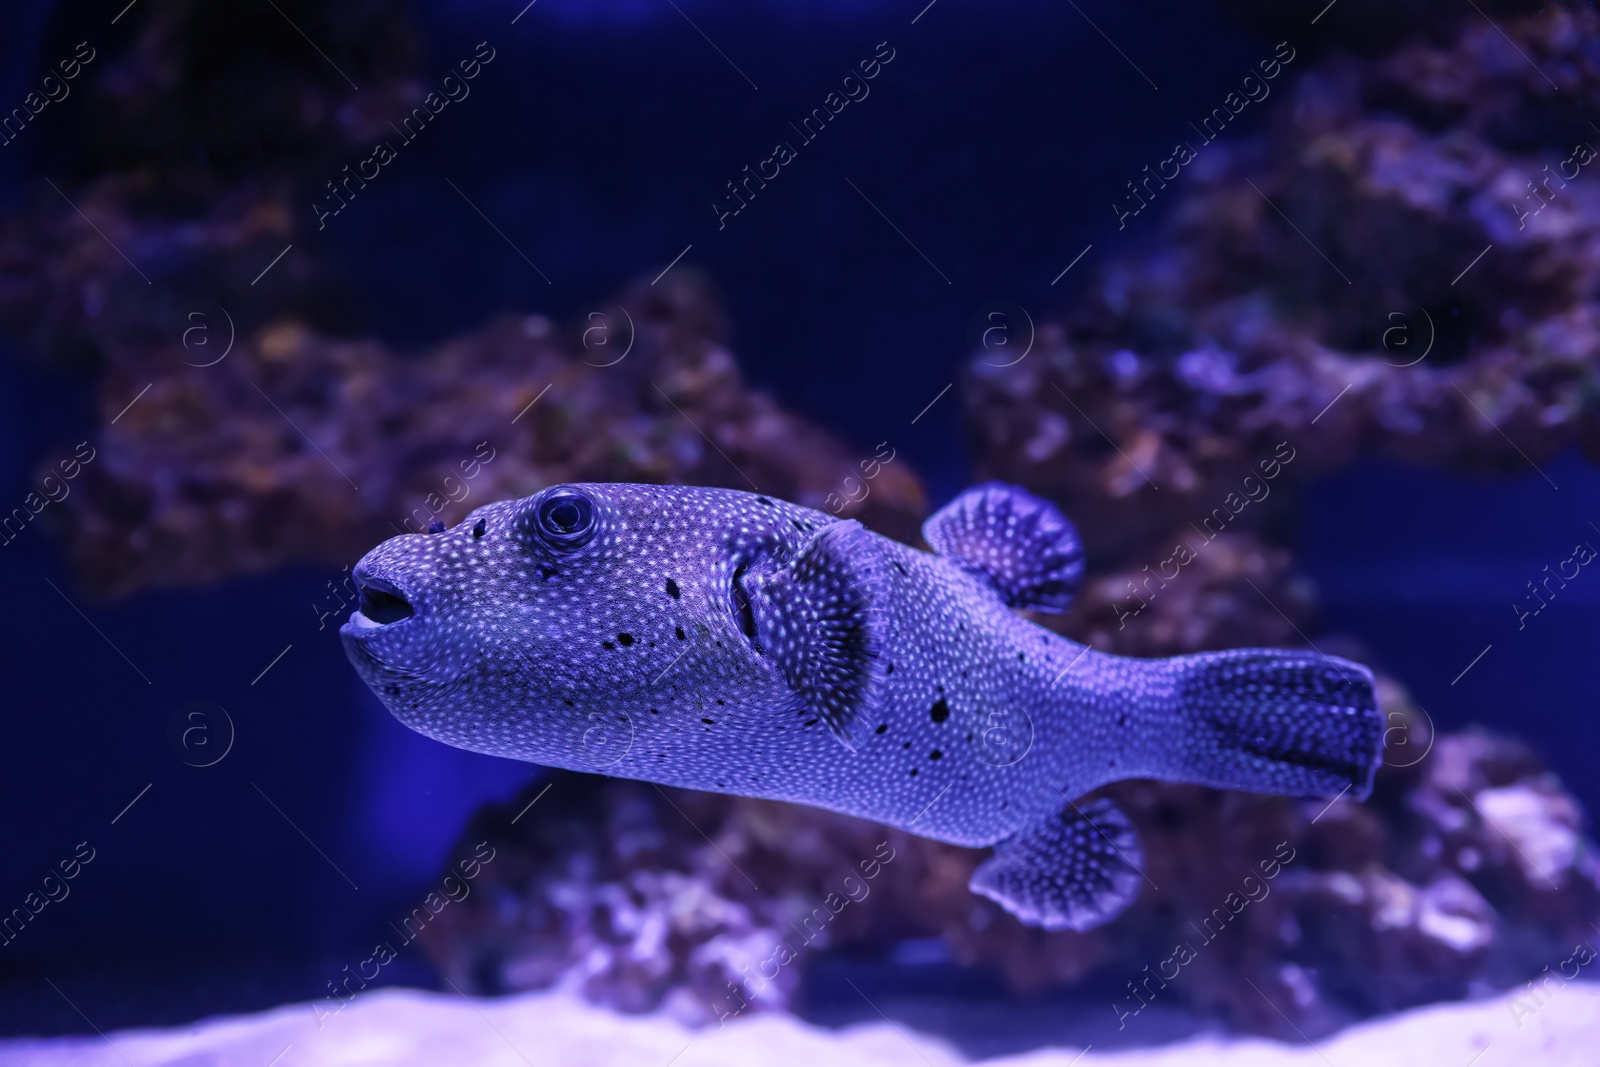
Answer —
720 640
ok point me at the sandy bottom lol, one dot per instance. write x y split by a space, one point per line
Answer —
407 1028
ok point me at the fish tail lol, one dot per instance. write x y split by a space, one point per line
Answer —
1271 721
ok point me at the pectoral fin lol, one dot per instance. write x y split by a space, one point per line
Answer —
1074 870
819 619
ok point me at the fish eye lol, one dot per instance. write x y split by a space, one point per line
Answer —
565 518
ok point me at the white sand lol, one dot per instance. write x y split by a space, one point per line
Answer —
403 1028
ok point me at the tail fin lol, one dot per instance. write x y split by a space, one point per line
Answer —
1269 721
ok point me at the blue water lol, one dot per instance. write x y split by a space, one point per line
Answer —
598 140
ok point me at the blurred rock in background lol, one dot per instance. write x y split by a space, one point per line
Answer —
1394 267
299 446
285 438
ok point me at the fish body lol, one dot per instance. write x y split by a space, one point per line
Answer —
721 640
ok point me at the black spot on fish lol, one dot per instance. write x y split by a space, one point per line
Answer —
709 722
764 500
653 711
906 745
1023 656
901 569
1169 816
720 704
936 754
883 727
913 772
811 722
940 710
607 645
1122 720
546 573
678 630
624 640
479 528
889 669
797 525
672 589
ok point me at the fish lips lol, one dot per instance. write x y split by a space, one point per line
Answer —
380 602
374 636
392 658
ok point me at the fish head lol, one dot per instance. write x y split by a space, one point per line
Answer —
556 627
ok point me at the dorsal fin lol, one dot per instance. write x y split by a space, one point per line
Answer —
819 619
1015 542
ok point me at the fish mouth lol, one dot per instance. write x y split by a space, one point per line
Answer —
381 603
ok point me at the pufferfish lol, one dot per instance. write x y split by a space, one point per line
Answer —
721 640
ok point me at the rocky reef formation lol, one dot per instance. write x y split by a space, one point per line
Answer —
243 427
178 191
1404 262
301 447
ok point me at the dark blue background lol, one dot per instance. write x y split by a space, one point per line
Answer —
597 141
